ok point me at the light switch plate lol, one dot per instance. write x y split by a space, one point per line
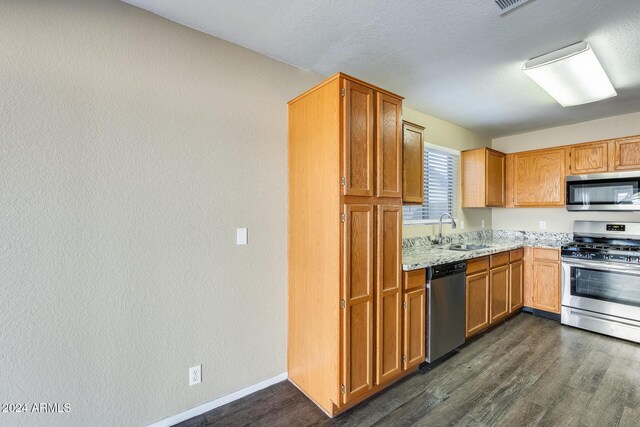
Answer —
241 236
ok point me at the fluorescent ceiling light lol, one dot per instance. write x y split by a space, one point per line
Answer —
571 75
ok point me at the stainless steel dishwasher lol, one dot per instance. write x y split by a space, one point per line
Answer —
446 309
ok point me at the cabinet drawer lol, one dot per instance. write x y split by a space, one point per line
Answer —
415 279
477 264
498 260
516 255
548 254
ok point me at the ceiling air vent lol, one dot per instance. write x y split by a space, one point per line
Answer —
508 5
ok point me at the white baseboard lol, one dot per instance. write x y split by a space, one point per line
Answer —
205 407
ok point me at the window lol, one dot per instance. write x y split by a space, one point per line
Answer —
440 186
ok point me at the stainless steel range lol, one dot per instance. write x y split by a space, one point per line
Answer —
601 278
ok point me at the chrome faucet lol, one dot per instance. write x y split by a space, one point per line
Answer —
453 225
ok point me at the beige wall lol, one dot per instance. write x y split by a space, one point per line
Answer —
440 132
559 219
131 149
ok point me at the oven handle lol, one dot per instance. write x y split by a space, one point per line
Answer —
603 265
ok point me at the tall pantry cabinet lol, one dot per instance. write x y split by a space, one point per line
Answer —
345 242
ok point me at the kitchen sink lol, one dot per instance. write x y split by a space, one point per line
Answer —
467 247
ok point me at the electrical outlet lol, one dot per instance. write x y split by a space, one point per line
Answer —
482 223
543 225
195 375
241 236
461 225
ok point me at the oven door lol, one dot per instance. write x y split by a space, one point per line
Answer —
602 287
604 192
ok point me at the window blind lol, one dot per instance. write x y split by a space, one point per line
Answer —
440 187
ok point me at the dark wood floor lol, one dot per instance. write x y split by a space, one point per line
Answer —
528 371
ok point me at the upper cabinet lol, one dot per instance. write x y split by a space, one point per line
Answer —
413 163
536 178
359 111
626 153
389 145
483 178
611 155
372 142
588 158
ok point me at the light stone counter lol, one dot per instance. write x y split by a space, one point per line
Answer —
421 252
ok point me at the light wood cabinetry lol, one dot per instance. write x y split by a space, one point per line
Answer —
412 163
516 279
414 323
494 289
483 178
477 296
357 356
588 158
499 293
359 110
389 146
347 325
609 155
627 153
545 280
389 292
536 178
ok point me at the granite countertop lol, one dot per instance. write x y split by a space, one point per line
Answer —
422 254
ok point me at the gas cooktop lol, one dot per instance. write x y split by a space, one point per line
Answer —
602 241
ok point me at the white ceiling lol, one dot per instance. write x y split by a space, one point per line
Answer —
456 60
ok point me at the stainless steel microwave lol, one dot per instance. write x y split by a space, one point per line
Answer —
617 191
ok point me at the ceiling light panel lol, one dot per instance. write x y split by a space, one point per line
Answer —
571 75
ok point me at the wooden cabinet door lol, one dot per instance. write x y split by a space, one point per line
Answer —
627 153
498 293
412 163
537 178
389 293
389 146
516 288
357 334
358 140
414 328
588 158
546 285
494 178
477 301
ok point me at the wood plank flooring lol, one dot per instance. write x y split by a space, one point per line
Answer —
528 371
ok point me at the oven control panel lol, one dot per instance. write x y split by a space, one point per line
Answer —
616 227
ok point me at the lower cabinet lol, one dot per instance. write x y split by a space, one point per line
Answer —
516 280
477 295
516 294
477 303
545 280
414 328
494 289
499 292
